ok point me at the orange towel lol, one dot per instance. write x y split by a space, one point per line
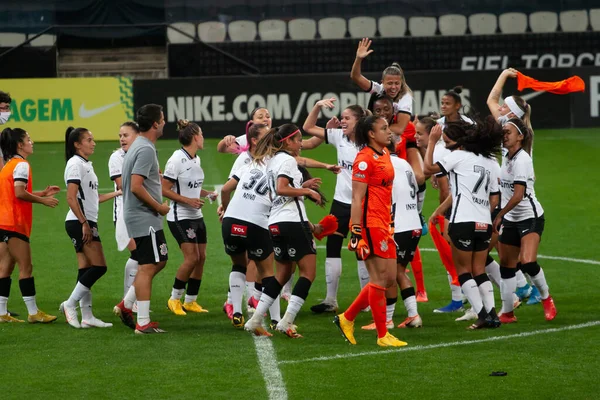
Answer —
329 223
570 85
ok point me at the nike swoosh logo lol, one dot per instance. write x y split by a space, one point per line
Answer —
85 113
532 95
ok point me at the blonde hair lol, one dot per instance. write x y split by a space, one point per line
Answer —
526 108
396 70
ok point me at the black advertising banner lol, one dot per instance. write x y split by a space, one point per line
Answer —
585 108
221 105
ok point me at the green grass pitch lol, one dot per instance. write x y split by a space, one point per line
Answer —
203 356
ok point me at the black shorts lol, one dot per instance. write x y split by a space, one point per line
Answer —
5 235
152 249
75 232
188 231
470 236
342 212
241 236
406 245
511 233
292 240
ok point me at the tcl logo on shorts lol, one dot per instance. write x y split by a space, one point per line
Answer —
480 226
274 229
239 230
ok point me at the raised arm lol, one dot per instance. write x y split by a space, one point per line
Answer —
429 167
493 100
310 125
356 74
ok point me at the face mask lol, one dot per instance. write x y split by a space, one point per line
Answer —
503 119
4 116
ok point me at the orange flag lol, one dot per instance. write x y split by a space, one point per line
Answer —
570 85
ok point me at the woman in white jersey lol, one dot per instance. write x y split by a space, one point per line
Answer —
342 139
521 220
82 226
393 84
239 144
474 173
290 230
182 184
245 226
128 132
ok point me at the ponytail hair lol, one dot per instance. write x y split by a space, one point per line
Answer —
187 130
396 70
481 138
9 142
72 136
274 141
249 124
455 94
252 132
363 126
526 107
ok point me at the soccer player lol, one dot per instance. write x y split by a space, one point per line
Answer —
5 101
16 217
245 226
343 141
81 225
290 230
474 173
372 180
182 184
239 144
143 211
521 220
128 132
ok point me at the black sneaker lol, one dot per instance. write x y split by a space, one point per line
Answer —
273 324
324 308
125 314
238 320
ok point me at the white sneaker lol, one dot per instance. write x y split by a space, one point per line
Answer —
367 309
255 326
70 314
469 316
95 323
288 328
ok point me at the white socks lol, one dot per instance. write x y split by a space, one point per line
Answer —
190 299
287 288
389 311
333 271
77 294
363 274
131 268
493 271
411 306
293 308
521 280
143 314
176 293
85 304
129 298
3 305
471 290
540 283
486 291
31 304
507 288
263 305
249 288
275 310
236 290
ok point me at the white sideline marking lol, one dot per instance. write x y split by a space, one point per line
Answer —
575 260
267 361
441 345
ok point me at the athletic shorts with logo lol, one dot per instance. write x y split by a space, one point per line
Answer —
380 241
291 240
470 236
406 243
188 231
241 236
6 235
342 212
511 233
152 249
74 229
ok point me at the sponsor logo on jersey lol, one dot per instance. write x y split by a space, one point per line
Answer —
239 230
274 229
191 233
163 249
359 175
481 227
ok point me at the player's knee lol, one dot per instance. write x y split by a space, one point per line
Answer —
463 278
531 268
507 273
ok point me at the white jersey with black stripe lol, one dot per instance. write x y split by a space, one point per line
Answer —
115 170
474 178
81 172
346 153
243 159
404 197
251 201
518 170
187 176
283 208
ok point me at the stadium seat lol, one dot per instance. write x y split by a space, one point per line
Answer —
483 24
360 27
302 29
574 21
43 41
272 29
9 39
392 26
543 22
332 28
422 26
242 31
212 31
177 37
595 19
513 22
452 25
